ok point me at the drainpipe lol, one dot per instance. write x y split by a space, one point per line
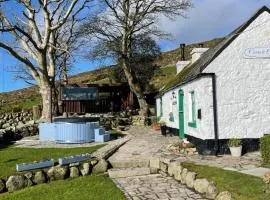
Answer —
214 94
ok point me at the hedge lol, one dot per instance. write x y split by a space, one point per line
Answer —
265 150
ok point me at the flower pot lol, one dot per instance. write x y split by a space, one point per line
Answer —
163 130
236 151
156 127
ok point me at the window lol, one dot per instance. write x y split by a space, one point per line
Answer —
79 93
192 110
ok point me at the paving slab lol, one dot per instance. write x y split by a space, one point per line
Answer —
260 171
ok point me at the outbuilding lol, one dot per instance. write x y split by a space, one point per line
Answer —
223 92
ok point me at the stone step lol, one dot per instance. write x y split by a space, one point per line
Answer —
127 163
128 172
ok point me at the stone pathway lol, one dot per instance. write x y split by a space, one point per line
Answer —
154 187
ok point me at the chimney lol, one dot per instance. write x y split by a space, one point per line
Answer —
182 63
196 53
182 50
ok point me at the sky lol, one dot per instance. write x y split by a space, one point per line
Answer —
207 19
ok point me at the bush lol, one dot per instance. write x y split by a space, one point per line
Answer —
234 142
265 150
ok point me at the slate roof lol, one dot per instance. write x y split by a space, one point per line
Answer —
193 71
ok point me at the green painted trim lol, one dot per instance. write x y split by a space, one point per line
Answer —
192 124
181 114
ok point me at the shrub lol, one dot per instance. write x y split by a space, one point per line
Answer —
234 142
265 150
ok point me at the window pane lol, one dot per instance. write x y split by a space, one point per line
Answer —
79 93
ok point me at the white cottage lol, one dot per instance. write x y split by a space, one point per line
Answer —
223 92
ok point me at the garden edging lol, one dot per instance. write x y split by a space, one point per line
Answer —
201 185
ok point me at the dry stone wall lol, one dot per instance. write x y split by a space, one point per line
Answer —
14 126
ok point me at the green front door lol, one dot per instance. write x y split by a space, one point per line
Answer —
181 114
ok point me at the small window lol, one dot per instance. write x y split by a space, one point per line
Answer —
192 110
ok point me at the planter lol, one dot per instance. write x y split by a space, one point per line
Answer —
33 166
163 130
156 127
236 151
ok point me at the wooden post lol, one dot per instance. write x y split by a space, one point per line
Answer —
36 112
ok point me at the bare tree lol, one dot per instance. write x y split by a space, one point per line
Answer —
32 35
122 22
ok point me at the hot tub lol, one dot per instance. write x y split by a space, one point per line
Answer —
67 132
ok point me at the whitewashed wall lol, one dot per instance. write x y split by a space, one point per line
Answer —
243 85
203 100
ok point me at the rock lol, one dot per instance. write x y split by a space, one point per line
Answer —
190 178
6 125
224 196
57 173
29 177
201 185
2 186
16 182
172 167
154 162
177 173
183 175
100 167
93 162
212 191
163 167
39 177
74 172
85 169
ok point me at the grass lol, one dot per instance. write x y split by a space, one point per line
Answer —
242 186
89 187
11 156
26 104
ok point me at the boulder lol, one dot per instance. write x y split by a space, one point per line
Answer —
154 162
183 175
100 167
177 173
2 186
29 177
94 162
201 185
172 167
163 167
212 191
16 183
74 172
224 196
39 177
85 169
190 178
57 173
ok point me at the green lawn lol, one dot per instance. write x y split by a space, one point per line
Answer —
243 187
11 156
83 188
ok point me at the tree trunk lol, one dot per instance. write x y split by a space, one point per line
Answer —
136 88
46 102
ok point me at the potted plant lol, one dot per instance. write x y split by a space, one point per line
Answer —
235 147
163 127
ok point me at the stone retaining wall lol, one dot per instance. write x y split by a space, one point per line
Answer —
14 126
201 185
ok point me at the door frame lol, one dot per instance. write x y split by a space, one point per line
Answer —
181 115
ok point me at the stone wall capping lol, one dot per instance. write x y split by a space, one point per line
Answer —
173 168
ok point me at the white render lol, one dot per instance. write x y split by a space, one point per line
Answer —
203 90
180 65
243 90
196 53
243 85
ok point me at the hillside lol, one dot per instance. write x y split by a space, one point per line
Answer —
165 69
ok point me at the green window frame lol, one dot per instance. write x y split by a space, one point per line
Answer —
193 123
